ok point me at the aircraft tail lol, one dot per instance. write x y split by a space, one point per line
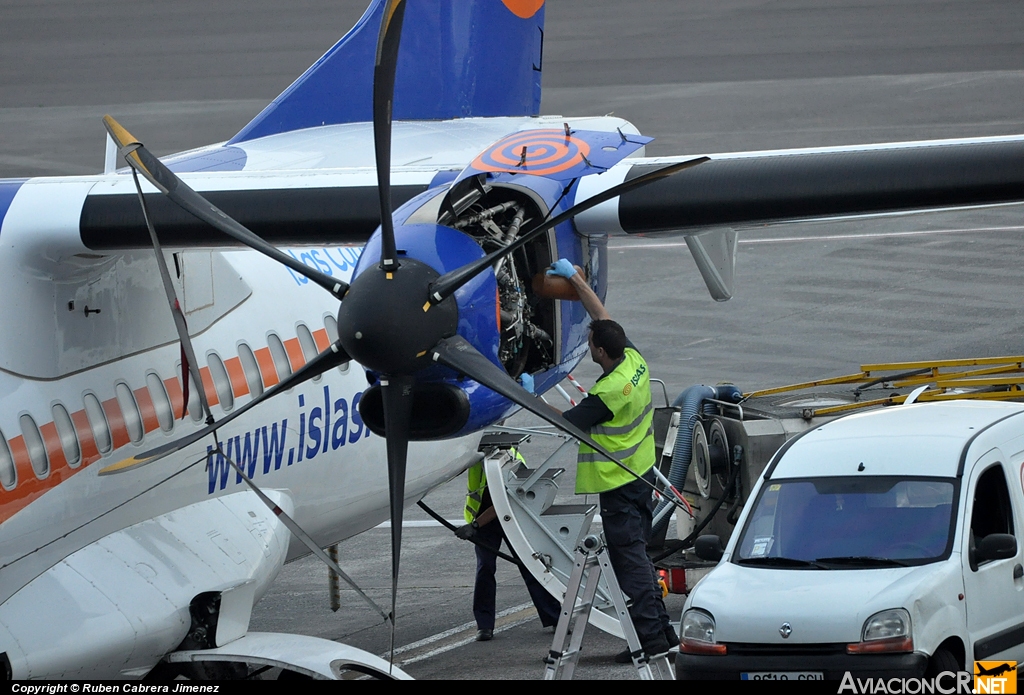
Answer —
459 58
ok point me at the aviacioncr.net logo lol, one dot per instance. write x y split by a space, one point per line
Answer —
946 683
995 676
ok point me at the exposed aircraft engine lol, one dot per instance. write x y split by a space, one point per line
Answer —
494 217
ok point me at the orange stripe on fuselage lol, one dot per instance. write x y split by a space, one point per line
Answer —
90 452
322 340
118 430
266 362
211 392
295 356
54 449
150 421
239 386
174 392
28 486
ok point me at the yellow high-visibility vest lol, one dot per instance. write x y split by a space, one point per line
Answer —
629 435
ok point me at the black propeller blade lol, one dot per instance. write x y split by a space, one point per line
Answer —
397 396
383 100
332 357
451 281
168 183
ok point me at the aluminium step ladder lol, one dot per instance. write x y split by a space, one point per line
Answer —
592 561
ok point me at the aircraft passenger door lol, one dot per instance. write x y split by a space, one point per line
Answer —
993 588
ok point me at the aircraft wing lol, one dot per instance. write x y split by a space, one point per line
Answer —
748 188
734 190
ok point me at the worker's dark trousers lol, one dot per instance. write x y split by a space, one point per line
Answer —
484 591
626 517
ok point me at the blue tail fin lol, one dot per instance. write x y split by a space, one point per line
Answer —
459 58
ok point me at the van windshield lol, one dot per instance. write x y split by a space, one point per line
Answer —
856 522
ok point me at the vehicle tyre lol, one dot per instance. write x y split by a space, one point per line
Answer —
942 660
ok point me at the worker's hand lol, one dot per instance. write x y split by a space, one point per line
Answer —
562 268
526 379
466 532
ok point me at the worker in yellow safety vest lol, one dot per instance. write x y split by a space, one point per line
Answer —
482 527
618 415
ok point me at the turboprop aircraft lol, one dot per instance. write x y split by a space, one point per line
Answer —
106 573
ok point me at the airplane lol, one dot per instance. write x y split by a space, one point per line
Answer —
124 558
999 670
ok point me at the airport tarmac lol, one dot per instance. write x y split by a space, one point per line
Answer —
811 300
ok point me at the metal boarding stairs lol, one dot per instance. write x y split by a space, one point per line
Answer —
556 544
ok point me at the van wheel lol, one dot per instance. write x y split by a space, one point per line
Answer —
942 660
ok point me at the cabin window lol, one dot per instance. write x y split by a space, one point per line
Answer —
331 326
280 356
308 345
98 422
221 381
36 447
161 401
129 411
68 435
251 369
195 407
8 475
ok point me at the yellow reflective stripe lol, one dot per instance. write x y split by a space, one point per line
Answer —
622 429
621 454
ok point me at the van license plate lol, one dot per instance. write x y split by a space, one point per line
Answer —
782 676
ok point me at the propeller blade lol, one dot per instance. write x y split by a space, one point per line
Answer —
447 284
188 354
168 183
328 359
304 537
397 396
383 100
459 354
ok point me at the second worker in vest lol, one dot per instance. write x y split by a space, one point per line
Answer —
482 525
618 415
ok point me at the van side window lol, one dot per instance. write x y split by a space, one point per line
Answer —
992 512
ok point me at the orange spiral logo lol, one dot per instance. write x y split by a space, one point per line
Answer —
539 152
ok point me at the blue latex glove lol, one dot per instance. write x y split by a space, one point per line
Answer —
562 268
527 381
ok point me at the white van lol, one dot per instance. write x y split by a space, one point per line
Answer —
882 543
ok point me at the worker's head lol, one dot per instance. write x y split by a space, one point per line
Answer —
607 342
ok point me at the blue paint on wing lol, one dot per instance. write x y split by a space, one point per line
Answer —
8 189
458 59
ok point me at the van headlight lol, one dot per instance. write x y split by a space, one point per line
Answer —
697 636
885 631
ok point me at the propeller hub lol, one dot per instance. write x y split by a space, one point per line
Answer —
387 323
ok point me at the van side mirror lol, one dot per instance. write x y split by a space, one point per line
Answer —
710 548
996 546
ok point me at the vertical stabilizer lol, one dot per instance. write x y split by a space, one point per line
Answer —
458 59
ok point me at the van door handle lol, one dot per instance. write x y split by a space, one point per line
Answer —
1018 571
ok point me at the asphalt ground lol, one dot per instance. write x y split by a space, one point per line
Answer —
812 300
